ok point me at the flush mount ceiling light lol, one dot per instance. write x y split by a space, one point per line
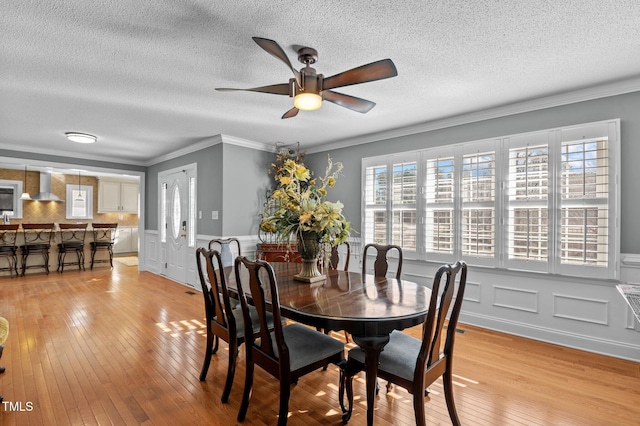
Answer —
81 137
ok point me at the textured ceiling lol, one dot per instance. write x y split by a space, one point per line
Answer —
141 74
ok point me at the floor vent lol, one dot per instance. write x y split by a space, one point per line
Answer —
190 293
458 330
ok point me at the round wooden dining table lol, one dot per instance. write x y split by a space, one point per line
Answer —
367 307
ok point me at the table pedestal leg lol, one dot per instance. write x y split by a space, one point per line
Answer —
372 346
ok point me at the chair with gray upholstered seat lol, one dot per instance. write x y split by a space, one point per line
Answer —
337 259
224 320
287 353
381 264
414 363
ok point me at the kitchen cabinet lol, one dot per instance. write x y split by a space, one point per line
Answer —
126 240
117 197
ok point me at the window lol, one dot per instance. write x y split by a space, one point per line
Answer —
79 201
404 205
440 205
163 212
542 201
192 211
10 202
376 203
391 200
478 197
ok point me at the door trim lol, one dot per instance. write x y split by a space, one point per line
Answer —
191 171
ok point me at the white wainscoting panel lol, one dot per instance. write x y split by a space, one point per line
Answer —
515 298
151 252
581 309
472 292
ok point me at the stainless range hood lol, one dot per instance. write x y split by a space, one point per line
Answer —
45 193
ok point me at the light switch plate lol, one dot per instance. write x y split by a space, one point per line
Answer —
214 215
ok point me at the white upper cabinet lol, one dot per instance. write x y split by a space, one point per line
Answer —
117 197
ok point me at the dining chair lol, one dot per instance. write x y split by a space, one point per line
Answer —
415 364
229 249
288 352
72 237
334 264
381 264
8 249
224 321
104 235
37 240
335 259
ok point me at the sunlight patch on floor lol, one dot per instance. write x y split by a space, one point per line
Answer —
466 379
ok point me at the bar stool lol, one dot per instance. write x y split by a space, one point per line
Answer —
37 240
71 240
8 249
104 235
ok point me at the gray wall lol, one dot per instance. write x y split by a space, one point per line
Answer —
245 181
209 161
626 107
232 180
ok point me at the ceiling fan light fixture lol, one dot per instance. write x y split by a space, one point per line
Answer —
81 137
307 101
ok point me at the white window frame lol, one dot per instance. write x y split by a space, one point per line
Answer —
16 185
389 207
553 138
72 192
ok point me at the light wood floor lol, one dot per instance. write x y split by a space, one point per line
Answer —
126 348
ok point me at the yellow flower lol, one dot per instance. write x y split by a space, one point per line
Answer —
306 217
312 182
279 194
331 181
323 191
301 172
285 180
267 227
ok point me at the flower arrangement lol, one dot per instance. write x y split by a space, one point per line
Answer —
298 204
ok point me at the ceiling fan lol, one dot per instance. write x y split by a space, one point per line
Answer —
309 89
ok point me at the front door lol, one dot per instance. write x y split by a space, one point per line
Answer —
175 224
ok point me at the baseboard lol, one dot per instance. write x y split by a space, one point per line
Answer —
572 340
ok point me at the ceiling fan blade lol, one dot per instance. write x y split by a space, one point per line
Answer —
371 72
275 89
356 104
291 113
274 49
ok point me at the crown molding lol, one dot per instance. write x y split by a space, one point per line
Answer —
602 91
204 143
66 155
211 141
260 146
